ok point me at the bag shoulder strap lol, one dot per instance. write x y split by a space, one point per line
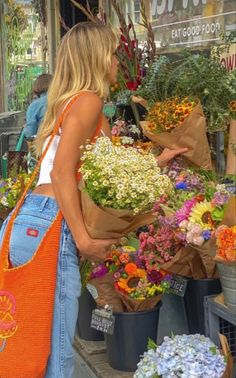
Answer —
6 238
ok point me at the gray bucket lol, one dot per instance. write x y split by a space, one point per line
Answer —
228 282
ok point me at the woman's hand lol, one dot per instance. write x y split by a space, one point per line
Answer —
95 249
168 155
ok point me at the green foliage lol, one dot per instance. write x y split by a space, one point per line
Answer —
205 78
151 344
153 86
85 270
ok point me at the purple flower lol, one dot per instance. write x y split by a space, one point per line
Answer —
168 277
220 199
99 271
206 234
154 276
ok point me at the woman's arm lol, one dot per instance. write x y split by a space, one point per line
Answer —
79 125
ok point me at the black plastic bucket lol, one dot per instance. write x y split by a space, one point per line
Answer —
130 338
86 305
194 302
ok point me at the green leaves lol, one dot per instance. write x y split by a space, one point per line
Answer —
151 344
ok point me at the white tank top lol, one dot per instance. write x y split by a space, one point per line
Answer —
47 163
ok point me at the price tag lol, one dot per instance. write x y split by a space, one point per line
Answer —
178 285
103 320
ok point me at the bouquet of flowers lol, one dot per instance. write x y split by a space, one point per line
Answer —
128 281
167 115
178 123
226 243
10 192
120 186
182 356
182 238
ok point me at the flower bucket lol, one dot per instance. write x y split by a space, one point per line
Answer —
172 318
194 302
86 305
130 338
228 282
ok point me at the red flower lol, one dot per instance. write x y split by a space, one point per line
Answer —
132 85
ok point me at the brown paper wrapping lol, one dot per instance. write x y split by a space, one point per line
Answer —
105 223
225 350
135 305
107 293
230 212
191 134
187 263
231 157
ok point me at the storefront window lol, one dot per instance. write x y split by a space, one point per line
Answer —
185 23
25 51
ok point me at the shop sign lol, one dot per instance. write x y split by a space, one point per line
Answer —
191 22
178 285
103 320
228 59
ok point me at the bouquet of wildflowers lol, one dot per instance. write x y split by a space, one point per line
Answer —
11 190
167 115
120 188
183 237
182 356
130 135
127 282
179 123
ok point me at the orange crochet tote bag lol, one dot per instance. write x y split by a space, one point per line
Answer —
27 298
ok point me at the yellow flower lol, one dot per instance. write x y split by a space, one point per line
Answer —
130 283
201 214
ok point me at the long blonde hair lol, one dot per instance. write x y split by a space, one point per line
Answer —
83 64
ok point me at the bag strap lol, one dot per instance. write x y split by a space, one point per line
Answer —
6 238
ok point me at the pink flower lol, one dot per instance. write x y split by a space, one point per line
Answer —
184 212
198 240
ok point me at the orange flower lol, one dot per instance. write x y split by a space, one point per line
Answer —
167 115
131 269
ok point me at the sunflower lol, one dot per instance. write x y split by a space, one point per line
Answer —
130 283
201 214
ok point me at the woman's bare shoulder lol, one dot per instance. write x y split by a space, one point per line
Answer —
87 102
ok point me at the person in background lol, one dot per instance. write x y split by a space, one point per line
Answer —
37 108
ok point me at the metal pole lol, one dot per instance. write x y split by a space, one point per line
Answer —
3 94
53 31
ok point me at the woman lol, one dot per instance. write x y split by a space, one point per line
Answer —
37 108
86 64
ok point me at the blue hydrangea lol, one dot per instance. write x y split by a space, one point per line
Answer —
182 356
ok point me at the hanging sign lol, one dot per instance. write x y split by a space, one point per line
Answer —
103 320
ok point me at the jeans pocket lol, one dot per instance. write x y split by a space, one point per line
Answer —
26 236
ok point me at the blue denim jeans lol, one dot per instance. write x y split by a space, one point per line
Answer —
34 218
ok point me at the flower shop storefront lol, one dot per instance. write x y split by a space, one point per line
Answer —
163 302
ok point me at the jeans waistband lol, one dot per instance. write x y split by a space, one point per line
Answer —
41 202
